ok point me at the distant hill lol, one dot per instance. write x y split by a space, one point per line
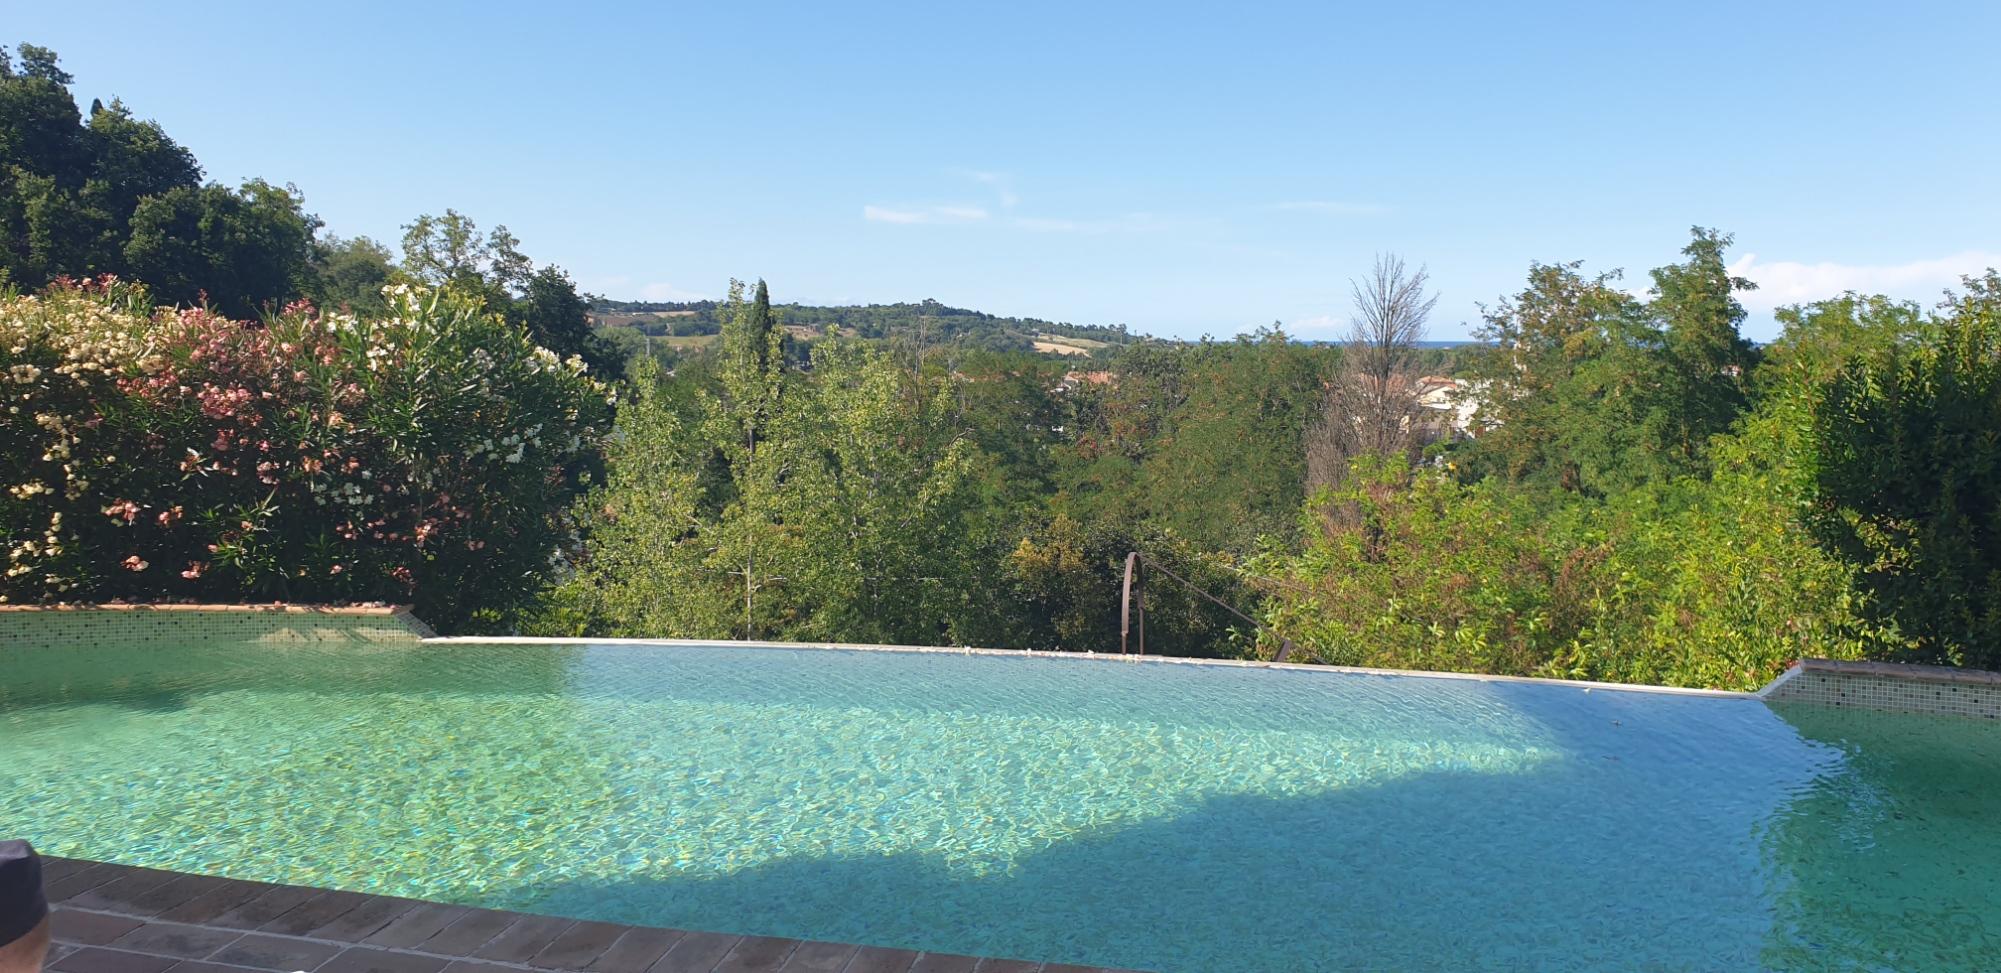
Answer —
928 321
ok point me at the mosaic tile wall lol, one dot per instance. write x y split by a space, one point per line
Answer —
1881 686
57 627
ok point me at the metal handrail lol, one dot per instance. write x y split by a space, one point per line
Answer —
1132 609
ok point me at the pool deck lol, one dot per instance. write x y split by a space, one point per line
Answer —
121 919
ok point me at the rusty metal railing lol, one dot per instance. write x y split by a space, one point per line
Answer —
1132 607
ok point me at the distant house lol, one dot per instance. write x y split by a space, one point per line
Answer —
1073 379
1452 404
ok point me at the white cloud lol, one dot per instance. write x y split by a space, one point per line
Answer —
663 291
924 214
1782 282
1330 207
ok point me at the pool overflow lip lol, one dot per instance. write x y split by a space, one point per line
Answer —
1081 657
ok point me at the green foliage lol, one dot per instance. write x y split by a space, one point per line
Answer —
1705 362
349 274
1630 513
1205 442
449 251
1692 584
427 456
110 194
1909 477
1561 381
829 505
1414 570
243 251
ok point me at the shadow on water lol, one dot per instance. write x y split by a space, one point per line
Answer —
1888 858
1633 831
1448 870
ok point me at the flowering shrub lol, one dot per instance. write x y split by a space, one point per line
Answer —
427 457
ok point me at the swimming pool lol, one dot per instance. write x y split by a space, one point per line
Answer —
1151 815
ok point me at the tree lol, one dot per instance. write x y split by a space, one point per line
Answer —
449 251
349 273
884 490
112 194
1817 341
1372 408
1908 466
753 536
244 251
559 319
38 63
1708 361
1565 366
642 571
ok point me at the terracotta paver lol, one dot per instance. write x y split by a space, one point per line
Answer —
268 952
89 928
172 893
878 959
757 954
477 966
472 930
637 950
204 966
314 913
176 939
262 908
816 957
578 946
208 905
77 880
117 894
120 919
697 952
944 963
368 959
365 919
97 959
523 939
421 923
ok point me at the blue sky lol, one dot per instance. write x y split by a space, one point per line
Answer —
1184 169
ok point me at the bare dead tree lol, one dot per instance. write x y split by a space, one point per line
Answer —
1372 406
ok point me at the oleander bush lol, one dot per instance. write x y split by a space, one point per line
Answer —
426 456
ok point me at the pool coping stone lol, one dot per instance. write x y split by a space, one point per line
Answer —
95 930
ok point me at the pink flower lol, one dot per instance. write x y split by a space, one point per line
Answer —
133 563
195 568
123 508
336 569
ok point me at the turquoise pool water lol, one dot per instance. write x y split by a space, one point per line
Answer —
1160 816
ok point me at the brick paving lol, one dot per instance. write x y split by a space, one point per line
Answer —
121 919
